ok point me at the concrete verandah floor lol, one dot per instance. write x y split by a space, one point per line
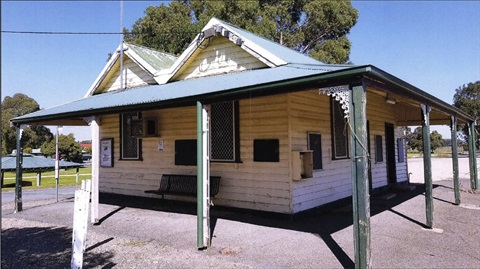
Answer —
150 233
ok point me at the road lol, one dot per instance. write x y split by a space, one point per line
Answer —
39 194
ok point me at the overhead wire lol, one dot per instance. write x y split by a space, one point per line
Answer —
94 33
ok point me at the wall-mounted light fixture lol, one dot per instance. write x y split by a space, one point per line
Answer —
390 100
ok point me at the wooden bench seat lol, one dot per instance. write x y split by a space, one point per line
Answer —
184 185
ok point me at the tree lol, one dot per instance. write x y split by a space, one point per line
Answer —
18 105
415 139
467 98
316 28
35 136
68 148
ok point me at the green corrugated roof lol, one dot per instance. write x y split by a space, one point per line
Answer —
158 60
32 162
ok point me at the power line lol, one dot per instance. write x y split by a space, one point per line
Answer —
61 33
95 33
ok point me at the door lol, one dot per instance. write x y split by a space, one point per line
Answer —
390 150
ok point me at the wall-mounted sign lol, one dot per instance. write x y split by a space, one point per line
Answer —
106 152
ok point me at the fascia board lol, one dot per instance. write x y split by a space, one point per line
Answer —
163 76
106 69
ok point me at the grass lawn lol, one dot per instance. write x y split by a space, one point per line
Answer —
29 179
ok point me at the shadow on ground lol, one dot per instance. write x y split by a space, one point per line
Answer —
322 222
44 247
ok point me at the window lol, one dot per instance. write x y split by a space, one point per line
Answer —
150 127
378 148
186 152
224 132
315 144
266 150
401 149
130 136
339 131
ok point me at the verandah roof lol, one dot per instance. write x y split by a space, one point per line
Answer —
223 87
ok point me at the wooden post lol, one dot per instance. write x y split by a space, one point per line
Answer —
203 177
2 175
39 178
456 181
360 187
472 153
94 125
18 178
77 174
427 164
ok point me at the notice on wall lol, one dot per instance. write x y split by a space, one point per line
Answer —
160 145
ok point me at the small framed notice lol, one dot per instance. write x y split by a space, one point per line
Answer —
106 152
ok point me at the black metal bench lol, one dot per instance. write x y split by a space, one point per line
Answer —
184 185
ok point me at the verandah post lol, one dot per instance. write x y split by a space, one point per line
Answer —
95 129
456 182
360 186
427 164
472 153
18 177
203 177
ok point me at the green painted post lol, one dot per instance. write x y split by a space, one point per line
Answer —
456 181
427 164
200 176
472 150
18 178
360 187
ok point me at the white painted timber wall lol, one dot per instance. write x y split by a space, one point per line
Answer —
133 76
221 56
310 112
402 168
248 184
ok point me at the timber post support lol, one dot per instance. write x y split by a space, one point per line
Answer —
39 178
456 181
427 163
18 177
203 177
360 185
94 123
472 153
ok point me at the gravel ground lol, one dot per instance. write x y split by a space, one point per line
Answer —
148 233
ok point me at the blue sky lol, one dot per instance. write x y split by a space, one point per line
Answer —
434 45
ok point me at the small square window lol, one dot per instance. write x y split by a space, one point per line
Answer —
150 127
186 152
266 150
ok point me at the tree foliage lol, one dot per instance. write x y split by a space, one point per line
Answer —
467 98
316 28
415 139
68 148
33 137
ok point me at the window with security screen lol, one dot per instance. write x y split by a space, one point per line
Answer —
130 141
224 131
339 131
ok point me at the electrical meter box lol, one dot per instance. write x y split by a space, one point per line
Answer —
302 164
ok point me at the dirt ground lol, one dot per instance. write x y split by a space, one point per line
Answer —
150 233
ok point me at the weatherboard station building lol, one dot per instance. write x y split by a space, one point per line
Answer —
284 132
